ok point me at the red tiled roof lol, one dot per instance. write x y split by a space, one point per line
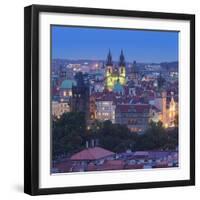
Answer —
161 165
114 162
55 91
134 166
112 165
63 166
92 154
107 97
154 108
96 95
138 107
151 93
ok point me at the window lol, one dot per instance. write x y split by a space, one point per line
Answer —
64 93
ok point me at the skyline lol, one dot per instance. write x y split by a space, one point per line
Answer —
94 43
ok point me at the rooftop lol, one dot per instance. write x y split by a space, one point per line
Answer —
92 154
139 108
112 165
118 88
67 84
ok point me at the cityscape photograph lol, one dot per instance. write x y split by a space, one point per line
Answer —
114 99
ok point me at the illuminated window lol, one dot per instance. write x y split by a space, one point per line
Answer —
64 93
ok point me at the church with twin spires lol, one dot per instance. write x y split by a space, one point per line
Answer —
115 74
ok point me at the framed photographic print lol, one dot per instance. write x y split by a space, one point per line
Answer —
109 100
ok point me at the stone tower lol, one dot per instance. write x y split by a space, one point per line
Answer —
122 69
80 96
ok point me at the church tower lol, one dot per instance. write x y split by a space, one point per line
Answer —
62 73
172 111
133 73
122 69
109 72
164 108
109 64
115 74
80 96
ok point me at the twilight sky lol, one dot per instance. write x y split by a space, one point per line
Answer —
93 43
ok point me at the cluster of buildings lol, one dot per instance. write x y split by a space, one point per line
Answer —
116 92
99 159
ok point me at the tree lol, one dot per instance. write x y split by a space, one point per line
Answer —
67 136
116 137
70 135
157 138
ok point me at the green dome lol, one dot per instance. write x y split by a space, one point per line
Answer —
67 84
118 88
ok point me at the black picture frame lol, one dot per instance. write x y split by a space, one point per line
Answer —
31 98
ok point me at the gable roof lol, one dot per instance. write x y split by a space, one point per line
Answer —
92 154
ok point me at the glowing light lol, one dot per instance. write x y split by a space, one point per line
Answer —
112 78
166 125
173 125
64 93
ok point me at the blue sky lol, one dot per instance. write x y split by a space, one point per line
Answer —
93 43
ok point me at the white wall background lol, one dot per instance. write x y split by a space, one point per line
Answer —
11 98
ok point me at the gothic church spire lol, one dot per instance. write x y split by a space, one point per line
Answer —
121 59
109 59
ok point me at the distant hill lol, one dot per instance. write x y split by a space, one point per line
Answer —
165 66
170 66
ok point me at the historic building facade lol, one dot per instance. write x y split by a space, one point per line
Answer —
59 108
135 116
169 111
105 109
115 74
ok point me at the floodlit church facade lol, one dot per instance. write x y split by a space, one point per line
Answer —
115 74
169 113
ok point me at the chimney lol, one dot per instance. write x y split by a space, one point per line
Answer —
87 145
92 143
96 142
